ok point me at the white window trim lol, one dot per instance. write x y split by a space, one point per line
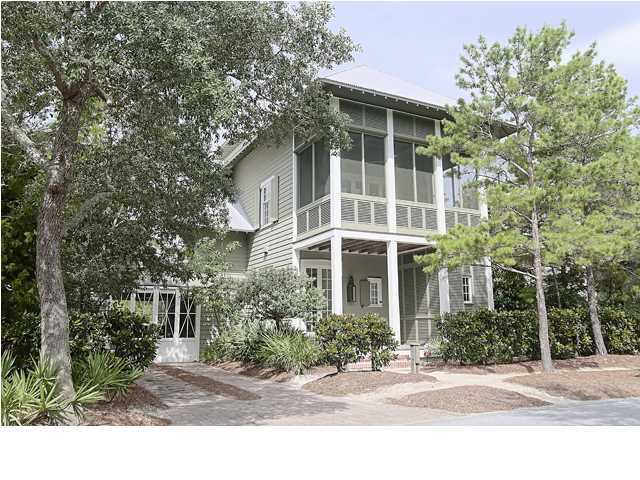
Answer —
378 282
470 277
265 185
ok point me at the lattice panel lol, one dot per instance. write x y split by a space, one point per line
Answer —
302 222
474 220
364 211
314 218
380 213
416 218
431 217
450 219
463 218
325 213
402 216
348 210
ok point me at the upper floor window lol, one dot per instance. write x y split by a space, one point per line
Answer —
457 191
313 173
414 173
467 289
363 165
265 198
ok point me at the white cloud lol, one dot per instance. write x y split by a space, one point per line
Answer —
621 46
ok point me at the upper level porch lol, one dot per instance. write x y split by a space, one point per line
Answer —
382 183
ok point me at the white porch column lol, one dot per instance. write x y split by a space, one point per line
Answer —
335 183
392 287
390 174
336 273
295 259
443 274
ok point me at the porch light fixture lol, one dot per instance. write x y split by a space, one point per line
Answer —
351 290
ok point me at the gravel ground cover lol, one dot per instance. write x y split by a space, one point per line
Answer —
585 385
594 361
354 383
468 399
131 410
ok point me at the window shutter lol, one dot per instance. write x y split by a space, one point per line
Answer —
364 293
274 200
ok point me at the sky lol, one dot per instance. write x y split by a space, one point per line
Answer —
421 42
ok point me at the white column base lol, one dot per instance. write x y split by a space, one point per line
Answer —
392 288
336 273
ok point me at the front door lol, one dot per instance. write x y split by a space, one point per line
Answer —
179 320
320 273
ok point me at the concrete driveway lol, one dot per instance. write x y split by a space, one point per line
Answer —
624 411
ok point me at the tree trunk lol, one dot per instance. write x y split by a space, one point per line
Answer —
543 321
592 299
54 320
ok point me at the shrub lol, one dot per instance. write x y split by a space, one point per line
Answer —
381 339
621 330
105 372
343 339
288 350
276 294
485 336
32 397
126 334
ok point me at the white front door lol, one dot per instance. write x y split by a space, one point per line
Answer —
320 273
179 319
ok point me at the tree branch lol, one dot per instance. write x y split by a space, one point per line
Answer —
61 79
33 153
84 210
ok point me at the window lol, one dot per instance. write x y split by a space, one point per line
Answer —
414 173
313 173
363 165
467 289
321 278
375 292
265 196
457 191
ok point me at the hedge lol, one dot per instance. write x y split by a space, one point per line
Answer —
485 336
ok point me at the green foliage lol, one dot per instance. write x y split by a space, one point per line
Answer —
342 338
157 85
285 349
288 350
19 210
348 338
276 294
106 373
485 336
31 397
382 341
126 334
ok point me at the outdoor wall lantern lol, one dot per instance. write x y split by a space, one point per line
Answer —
351 290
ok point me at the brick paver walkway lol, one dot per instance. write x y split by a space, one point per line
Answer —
277 403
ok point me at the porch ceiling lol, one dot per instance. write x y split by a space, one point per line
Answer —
366 247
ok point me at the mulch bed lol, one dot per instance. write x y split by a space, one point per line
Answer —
585 385
468 399
124 411
594 361
354 383
208 384
265 373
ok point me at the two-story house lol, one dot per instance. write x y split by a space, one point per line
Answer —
352 220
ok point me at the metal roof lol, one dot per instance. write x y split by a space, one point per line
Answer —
238 219
380 83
